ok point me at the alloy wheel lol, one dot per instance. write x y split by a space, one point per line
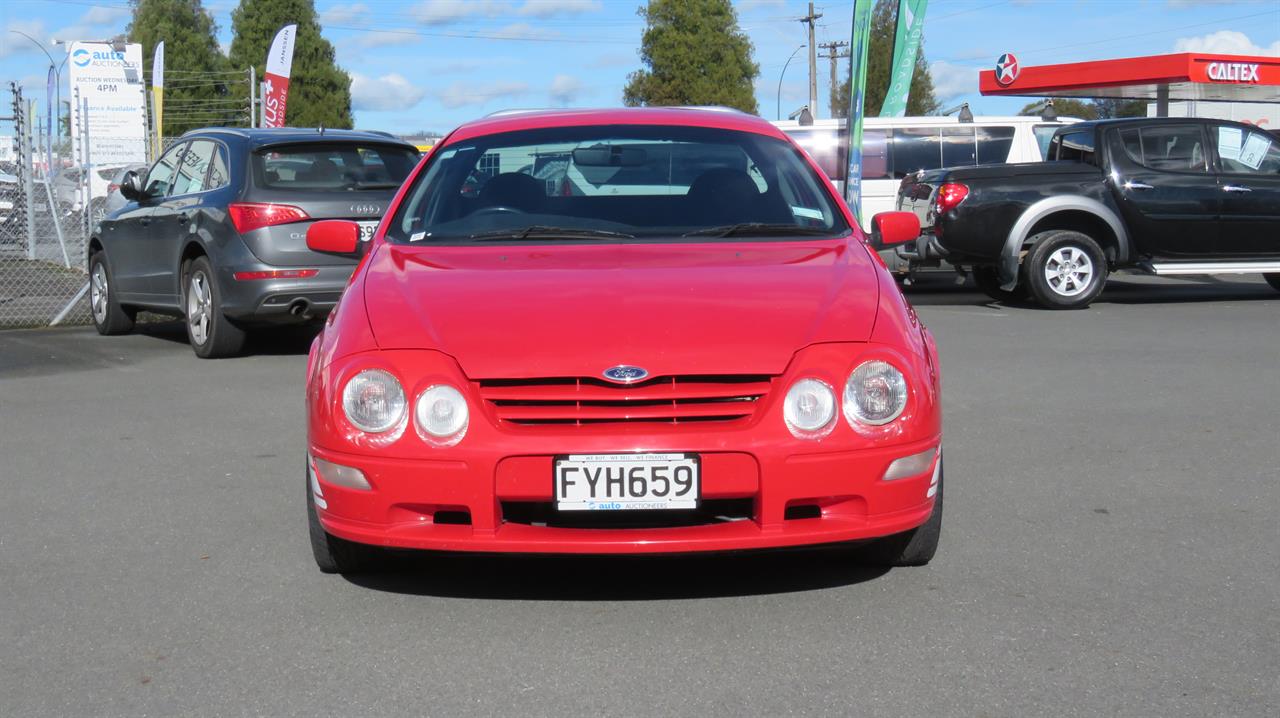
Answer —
98 293
199 307
1069 271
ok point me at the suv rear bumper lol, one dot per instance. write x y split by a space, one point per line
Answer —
282 300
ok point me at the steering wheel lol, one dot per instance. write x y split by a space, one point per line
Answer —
498 209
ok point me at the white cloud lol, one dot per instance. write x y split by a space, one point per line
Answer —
548 8
1227 42
444 12
753 4
98 15
389 92
461 94
383 39
15 44
523 31
341 14
951 80
565 89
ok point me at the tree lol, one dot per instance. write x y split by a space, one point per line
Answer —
695 54
319 90
1064 107
1110 108
197 92
921 101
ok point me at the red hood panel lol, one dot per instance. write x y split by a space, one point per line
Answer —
576 310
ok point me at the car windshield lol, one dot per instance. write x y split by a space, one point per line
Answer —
333 166
616 183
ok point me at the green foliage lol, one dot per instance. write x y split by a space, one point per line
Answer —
1065 107
1109 108
921 101
695 54
198 91
319 90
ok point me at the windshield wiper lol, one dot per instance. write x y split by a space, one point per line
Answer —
758 229
539 231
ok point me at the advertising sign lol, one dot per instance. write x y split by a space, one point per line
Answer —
275 81
906 47
157 98
107 83
859 43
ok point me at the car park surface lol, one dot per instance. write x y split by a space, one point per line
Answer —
1108 548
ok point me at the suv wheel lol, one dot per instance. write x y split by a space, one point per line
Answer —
108 316
211 334
1065 269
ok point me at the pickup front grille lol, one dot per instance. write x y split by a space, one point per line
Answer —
584 400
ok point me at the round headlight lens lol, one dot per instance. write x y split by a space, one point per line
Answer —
442 413
875 394
373 401
809 408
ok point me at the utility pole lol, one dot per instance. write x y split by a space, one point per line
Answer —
811 20
834 54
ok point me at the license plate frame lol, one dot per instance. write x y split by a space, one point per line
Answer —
581 495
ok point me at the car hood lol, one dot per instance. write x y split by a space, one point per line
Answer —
575 310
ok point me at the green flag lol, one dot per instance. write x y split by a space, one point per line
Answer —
906 46
859 42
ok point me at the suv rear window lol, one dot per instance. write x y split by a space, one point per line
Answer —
332 166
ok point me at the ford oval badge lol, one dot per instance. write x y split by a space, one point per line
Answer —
625 374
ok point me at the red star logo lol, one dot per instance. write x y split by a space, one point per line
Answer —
1006 69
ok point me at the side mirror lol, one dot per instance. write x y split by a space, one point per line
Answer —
890 229
131 186
333 236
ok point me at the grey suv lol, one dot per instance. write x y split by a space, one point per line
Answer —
216 230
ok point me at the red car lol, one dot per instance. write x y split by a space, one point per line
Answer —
695 349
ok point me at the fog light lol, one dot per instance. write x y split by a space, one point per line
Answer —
339 475
909 466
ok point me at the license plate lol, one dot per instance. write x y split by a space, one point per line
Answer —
620 482
366 230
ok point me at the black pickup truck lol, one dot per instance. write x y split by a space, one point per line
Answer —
1161 196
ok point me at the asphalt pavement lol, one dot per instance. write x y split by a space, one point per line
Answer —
1113 482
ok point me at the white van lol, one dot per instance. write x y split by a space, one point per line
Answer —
893 147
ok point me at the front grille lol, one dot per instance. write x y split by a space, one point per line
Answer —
584 400
709 512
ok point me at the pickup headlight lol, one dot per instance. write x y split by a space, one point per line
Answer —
374 401
875 394
441 415
809 409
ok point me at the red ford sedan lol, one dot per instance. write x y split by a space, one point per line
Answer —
625 331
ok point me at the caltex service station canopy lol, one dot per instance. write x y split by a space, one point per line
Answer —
1161 78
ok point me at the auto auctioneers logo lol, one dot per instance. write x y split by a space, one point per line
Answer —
81 57
1006 69
100 58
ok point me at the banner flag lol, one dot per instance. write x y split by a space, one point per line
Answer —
906 47
157 99
859 41
275 80
51 111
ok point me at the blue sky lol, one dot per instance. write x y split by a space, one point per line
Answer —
431 64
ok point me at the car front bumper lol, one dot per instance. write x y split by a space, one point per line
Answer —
778 499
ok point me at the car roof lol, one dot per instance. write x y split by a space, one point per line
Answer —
713 117
263 136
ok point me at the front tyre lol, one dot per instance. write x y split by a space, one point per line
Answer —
332 554
1065 269
915 547
108 316
211 334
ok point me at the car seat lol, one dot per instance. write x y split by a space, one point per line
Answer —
516 190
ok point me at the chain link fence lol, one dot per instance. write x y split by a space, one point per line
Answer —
49 203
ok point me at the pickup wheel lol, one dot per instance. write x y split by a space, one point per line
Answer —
1065 269
1273 280
988 280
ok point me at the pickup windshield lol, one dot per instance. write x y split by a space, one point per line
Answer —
616 183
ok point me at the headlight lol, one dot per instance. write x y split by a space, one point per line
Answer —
875 394
809 408
441 414
374 401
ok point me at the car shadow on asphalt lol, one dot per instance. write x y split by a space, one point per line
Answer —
284 340
618 578
944 291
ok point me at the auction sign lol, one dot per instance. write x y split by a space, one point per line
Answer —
109 102
275 81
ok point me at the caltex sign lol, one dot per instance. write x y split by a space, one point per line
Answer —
1006 69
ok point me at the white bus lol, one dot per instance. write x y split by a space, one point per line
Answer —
893 147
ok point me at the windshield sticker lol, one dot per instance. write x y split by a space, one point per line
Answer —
1254 151
417 236
1229 142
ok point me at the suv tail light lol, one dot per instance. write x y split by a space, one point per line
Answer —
248 216
950 195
